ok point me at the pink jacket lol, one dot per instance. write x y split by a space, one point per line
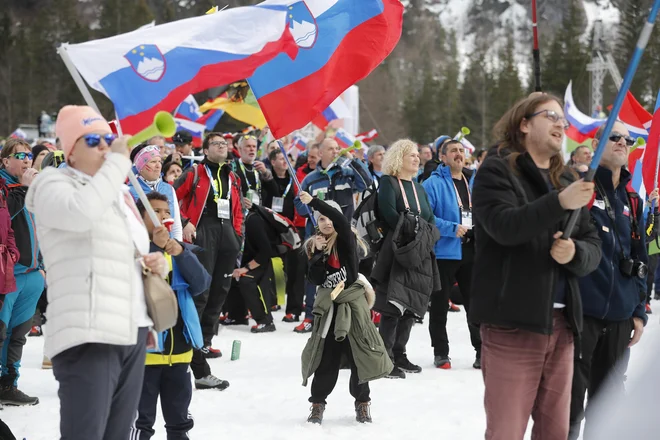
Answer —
8 251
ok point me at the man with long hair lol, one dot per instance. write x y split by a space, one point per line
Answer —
526 296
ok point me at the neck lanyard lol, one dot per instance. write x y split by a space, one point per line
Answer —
288 187
405 199
217 192
255 172
458 196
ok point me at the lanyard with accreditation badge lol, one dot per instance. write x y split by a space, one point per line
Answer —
224 207
278 202
466 214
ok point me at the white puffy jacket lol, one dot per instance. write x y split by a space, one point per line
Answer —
89 256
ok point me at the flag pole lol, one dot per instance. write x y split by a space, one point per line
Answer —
62 51
616 108
536 52
292 172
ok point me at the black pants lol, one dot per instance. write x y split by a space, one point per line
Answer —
295 266
366 266
5 432
650 278
451 271
254 287
603 345
220 247
173 385
235 304
395 331
325 376
100 387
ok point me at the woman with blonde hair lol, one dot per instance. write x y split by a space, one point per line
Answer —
405 273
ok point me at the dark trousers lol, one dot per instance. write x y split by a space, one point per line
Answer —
5 432
325 376
395 331
650 278
235 304
173 385
295 266
100 388
451 271
603 346
220 246
366 266
254 287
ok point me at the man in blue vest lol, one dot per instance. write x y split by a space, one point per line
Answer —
451 200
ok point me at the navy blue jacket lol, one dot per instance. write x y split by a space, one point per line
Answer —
606 293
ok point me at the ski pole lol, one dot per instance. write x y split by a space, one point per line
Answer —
616 108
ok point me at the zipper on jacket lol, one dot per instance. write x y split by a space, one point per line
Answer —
609 296
205 199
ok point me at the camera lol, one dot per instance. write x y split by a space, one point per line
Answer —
630 268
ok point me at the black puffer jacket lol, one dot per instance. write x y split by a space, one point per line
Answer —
516 216
407 273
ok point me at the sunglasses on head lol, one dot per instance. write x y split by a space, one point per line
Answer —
22 156
249 136
94 140
616 137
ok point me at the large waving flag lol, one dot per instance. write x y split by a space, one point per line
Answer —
156 68
341 42
245 110
337 110
188 109
344 138
650 158
211 118
194 128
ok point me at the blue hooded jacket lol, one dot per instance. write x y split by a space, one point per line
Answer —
443 199
606 293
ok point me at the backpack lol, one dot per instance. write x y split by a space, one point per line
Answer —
286 231
367 222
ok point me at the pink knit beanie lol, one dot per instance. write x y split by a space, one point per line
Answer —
75 121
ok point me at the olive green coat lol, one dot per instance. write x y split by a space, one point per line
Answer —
353 320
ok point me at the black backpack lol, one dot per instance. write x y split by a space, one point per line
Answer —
286 231
367 222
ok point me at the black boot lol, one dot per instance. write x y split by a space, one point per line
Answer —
10 395
362 413
396 373
316 416
406 366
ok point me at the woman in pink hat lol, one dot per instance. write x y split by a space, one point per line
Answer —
90 232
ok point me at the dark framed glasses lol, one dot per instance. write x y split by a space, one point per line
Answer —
553 116
616 137
94 140
22 156
218 144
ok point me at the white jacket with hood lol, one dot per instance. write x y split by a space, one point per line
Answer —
89 254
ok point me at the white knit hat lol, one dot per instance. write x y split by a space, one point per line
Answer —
331 203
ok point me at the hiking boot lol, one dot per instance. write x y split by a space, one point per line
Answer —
211 382
12 396
477 363
362 413
263 328
46 364
276 308
396 373
230 321
316 415
648 309
210 352
406 366
453 307
443 362
35 331
290 317
305 326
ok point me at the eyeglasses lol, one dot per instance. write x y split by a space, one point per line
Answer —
218 144
93 140
21 156
553 116
616 137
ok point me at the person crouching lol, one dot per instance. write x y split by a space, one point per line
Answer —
341 312
167 371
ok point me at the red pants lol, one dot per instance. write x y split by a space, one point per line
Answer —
527 374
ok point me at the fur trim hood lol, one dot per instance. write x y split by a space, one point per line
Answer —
368 290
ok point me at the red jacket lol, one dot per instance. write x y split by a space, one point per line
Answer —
9 254
193 202
298 220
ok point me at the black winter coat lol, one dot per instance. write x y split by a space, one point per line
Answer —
516 216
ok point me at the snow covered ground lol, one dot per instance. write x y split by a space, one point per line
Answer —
266 399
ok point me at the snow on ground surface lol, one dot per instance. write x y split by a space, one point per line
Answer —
266 399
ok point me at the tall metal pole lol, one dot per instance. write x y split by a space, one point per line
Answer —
535 51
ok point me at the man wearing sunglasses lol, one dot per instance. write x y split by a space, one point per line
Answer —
613 296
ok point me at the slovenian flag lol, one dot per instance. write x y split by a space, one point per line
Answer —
188 109
341 42
153 69
344 139
299 142
337 110
195 129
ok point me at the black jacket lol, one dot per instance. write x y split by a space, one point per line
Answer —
516 216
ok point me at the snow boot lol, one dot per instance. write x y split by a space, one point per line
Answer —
305 326
12 396
210 352
316 415
443 362
263 328
396 373
406 366
211 382
477 363
362 413
290 317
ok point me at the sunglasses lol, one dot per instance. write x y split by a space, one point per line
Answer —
249 136
21 156
553 116
94 140
616 137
